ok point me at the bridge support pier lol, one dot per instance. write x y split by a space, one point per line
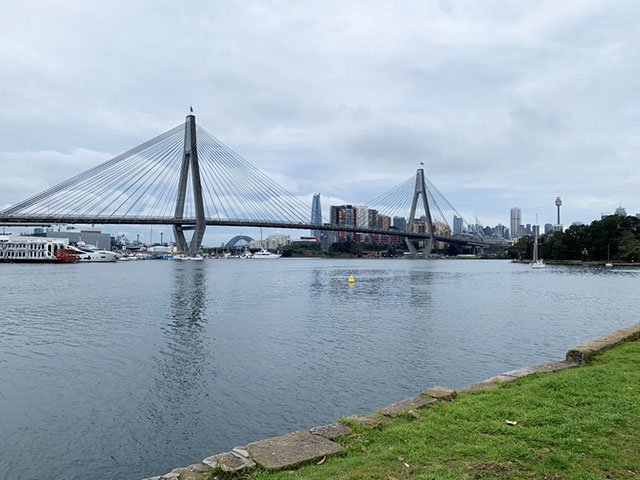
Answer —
190 165
420 190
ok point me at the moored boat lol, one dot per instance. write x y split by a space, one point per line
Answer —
264 253
87 254
22 249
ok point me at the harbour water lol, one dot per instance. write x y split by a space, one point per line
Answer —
128 370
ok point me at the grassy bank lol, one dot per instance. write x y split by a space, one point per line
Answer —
582 423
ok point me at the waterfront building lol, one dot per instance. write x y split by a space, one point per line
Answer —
516 220
90 236
441 228
272 242
400 223
316 214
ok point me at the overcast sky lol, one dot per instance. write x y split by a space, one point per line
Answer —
506 103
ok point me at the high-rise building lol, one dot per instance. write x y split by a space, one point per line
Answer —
400 223
316 214
343 215
384 222
516 221
362 216
373 218
501 231
620 211
548 228
457 225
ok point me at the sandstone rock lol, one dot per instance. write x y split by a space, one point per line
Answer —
192 472
407 404
542 368
444 394
332 431
290 450
240 451
488 384
368 420
585 353
228 462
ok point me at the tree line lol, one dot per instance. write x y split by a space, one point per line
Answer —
619 235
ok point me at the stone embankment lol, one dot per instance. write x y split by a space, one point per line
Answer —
293 449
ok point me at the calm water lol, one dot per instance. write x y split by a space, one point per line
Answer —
131 369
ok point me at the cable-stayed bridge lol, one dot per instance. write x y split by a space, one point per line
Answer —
188 179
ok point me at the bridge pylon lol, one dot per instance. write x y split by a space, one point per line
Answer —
190 165
420 190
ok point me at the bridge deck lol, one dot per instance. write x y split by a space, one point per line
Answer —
51 220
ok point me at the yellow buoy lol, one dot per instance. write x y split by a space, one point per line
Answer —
351 279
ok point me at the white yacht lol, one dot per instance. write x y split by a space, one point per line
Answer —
264 253
89 253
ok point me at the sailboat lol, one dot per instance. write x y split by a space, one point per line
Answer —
537 262
608 264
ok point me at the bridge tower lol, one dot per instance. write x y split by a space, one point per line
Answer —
190 165
420 190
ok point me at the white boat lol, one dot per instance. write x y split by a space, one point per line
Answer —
264 253
35 249
179 257
197 258
537 262
608 264
88 253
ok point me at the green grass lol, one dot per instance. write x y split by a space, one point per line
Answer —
581 423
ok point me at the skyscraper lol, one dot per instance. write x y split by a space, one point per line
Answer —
343 215
362 216
316 214
516 221
457 225
400 223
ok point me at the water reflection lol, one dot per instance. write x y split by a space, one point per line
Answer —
184 362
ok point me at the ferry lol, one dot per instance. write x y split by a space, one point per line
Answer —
35 250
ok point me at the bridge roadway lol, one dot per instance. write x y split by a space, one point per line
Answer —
47 220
